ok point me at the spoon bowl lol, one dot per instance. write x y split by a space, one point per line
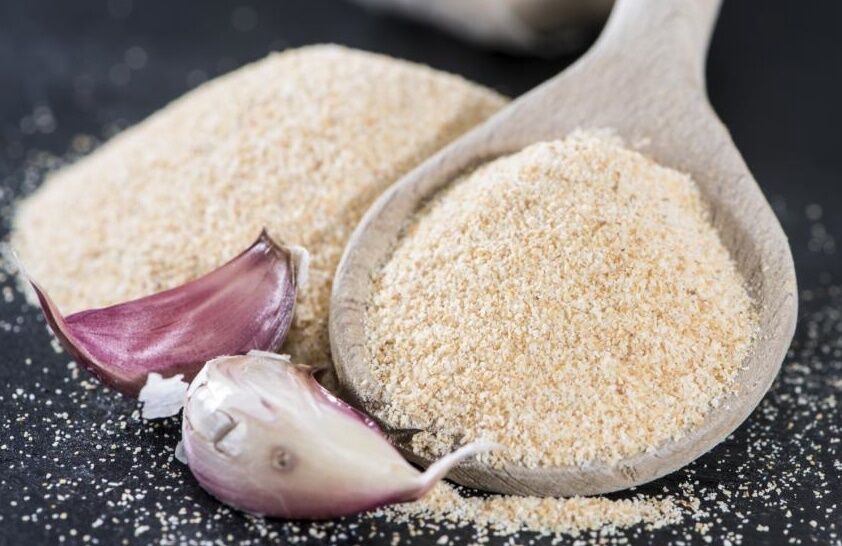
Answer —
644 78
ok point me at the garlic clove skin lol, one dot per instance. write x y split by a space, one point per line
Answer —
262 435
247 303
161 397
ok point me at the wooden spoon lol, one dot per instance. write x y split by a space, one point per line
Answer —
644 78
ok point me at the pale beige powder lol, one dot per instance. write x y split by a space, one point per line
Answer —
300 142
507 514
571 302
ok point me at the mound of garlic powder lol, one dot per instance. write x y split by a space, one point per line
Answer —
300 143
571 301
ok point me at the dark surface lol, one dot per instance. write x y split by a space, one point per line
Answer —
78 466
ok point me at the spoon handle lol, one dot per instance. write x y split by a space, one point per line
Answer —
671 32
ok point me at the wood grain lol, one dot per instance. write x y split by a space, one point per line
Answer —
643 78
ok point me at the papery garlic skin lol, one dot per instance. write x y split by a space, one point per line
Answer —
247 303
161 397
262 435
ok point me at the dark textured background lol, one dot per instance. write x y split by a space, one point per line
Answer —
77 466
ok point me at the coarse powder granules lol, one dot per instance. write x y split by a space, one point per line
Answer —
510 514
300 143
571 302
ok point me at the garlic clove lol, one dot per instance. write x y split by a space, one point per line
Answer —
246 304
262 435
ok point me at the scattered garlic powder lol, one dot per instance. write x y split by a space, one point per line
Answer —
509 514
571 302
300 142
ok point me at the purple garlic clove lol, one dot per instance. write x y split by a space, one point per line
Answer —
246 304
262 435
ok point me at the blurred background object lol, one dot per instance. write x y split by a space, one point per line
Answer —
542 27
